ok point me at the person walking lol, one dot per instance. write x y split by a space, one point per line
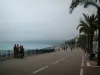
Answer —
71 48
15 51
21 51
66 47
18 51
62 47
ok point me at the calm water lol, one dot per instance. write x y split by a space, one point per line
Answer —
27 45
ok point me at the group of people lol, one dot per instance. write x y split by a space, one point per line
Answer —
18 51
64 48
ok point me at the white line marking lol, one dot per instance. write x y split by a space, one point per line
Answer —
82 64
39 70
62 58
81 72
88 64
65 57
55 62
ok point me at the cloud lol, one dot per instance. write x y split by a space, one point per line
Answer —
38 20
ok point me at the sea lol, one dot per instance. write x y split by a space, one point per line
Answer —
4 46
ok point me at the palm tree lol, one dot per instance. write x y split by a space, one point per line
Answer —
83 28
81 42
88 27
86 3
92 26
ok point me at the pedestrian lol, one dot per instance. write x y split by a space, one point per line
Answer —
15 51
71 49
9 54
66 48
21 51
18 51
62 47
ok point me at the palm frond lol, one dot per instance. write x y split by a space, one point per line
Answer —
80 25
86 3
91 3
86 18
74 4
91 21
83 29
97 0
84 23
94 17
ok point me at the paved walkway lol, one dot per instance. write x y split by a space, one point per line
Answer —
90 67
56 63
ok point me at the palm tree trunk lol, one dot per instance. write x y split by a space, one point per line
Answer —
88 43
91 45
98 60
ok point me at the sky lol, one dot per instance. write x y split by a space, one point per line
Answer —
22 20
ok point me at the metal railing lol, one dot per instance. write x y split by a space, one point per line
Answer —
9 54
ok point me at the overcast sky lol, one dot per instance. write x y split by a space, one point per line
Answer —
38 20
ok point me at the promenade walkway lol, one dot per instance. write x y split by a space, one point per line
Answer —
55 63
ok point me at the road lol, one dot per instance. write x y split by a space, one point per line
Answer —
56 63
